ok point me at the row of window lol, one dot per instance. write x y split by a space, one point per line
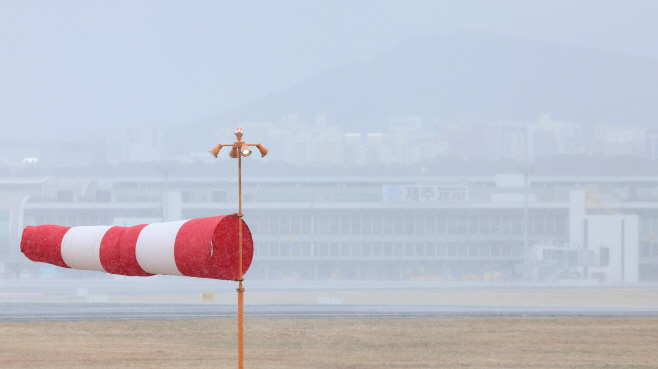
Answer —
412 225
386 250
143 196
264 224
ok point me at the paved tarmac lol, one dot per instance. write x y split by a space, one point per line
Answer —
20 312
42 299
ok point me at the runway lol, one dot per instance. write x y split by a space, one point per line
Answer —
178 298
21 312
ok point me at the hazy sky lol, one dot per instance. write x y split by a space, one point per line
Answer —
72 69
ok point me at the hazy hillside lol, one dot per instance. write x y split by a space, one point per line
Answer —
466 74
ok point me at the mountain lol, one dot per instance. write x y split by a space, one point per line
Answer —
465 74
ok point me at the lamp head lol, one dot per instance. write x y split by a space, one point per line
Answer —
262 149
234 152
244 150
215 150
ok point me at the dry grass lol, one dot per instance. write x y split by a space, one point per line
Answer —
335 343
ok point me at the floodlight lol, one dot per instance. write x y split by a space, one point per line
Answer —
233 153
244 150
262 149
215 151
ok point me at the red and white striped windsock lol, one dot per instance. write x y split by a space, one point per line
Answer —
203 247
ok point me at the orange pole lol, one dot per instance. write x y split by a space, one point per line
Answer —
240 279
240 327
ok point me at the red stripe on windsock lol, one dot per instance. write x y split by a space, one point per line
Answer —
225 254
128 264
193 247
44 243
109 250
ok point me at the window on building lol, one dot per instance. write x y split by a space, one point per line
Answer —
344 249
398 225
517 225
441 225
409 249
420 249
262 224
322 225
355 249
387 225
64 196
285 225
409 224
334 227
285 249
185 196
274 249
219 196
295 249
462 225
430 249
377 225
103 196
295 225
452 225
307 249
355 224
473 225
398 249
305 226
430 225
495 224
274 224
387 248
334 249
419 225
323 249
366 250
366 225
506 224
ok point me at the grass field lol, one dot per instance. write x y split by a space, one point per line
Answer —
335 343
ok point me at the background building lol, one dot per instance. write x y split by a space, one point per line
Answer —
433 228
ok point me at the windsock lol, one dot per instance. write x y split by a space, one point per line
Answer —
203 248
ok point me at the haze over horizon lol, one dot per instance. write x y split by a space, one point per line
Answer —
73 70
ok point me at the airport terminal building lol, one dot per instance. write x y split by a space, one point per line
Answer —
376 228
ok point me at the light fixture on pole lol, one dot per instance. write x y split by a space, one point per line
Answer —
244 150
262 149
238 150
234 152
215 150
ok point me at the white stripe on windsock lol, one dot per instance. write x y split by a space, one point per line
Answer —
81 245
155 248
